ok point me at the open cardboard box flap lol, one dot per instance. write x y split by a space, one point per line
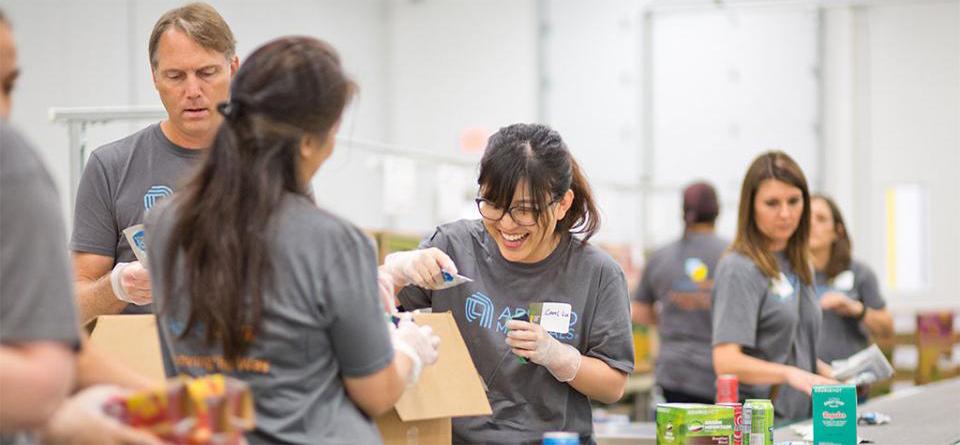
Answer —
451 387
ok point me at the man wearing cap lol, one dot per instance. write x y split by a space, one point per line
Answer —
674 293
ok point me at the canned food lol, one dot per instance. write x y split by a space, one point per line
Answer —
757 422
560 438
737 422
727 389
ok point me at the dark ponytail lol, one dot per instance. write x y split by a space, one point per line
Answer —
286 89
583 218
535 154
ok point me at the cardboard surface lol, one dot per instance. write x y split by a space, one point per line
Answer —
133 341
398 432
438 394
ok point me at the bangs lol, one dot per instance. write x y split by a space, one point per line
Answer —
503 169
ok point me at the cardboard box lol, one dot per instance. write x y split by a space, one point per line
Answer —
449 388
834 415
133 341
390 242
694 424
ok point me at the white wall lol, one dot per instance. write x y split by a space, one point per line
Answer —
727 84
597 110
94 53
452 65
909 73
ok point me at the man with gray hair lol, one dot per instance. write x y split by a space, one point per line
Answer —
193 59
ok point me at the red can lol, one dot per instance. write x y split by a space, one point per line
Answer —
727 389
737 421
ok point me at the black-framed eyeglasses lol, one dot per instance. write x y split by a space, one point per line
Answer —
522 215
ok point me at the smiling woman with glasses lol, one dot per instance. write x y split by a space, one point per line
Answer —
530 246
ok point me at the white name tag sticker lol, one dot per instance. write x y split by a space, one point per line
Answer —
843 282
555 317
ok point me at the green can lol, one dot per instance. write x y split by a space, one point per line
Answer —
757 422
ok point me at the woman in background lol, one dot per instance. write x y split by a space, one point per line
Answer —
255 281
766 318
848 289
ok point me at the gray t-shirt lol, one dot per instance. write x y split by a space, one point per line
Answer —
321 321
842 336
36 285
525 398
776 326
121 181
680 277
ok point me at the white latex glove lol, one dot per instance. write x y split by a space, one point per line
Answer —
80 420
419 343
131 283
385 289
420 267
531 341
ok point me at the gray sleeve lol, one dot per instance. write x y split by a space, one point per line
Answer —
157 226
869 288
94 226
610 338
414 297
36 287
738 291
358 328
645 292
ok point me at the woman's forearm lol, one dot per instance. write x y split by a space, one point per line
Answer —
728 359
879 322
824 369
598 381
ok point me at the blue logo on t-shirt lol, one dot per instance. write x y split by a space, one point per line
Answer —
480 307
154 195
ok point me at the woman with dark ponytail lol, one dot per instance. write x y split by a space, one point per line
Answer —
254 281
530 246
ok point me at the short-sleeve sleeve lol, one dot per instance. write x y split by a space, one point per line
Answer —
645 292
869 289
414 297
36 286
610 338
94 226
358 328
738 291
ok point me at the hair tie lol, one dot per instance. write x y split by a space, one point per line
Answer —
233 108
229 110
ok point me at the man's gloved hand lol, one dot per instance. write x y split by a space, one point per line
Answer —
533 342
420 267
131 283
419 343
